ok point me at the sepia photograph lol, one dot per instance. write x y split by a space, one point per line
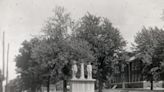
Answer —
81 45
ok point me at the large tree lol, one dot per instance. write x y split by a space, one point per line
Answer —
105 42
58 47
159 52
26 66
146 47
48 58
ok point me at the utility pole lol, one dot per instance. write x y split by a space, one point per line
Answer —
3 59
3 56
7 73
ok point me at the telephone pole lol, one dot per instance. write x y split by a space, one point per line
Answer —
3 56
7 73
3 60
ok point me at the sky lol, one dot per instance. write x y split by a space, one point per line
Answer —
22 19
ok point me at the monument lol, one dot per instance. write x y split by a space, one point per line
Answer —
82 84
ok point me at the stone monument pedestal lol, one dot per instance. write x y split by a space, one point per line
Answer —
82 85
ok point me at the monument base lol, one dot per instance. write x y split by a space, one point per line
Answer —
82 85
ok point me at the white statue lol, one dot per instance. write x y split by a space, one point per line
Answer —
82 71
74 70
89 70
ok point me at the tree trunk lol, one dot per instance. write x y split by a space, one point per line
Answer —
48 84
100 86
151 84
64 85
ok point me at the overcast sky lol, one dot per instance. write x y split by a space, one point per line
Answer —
21 19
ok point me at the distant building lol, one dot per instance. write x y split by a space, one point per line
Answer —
130 76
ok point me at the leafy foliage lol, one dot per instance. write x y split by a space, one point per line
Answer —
147 47
105 41
159 52
48 58
26 66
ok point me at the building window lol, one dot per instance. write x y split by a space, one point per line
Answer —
136 77
137 66
112 81
133 66
122 77
117 70
123 68
133 78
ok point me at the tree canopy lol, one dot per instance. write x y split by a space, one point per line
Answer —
105 42
47 59
147 46
26 66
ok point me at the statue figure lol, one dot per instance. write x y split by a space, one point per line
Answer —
82 71
74 70
89 70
